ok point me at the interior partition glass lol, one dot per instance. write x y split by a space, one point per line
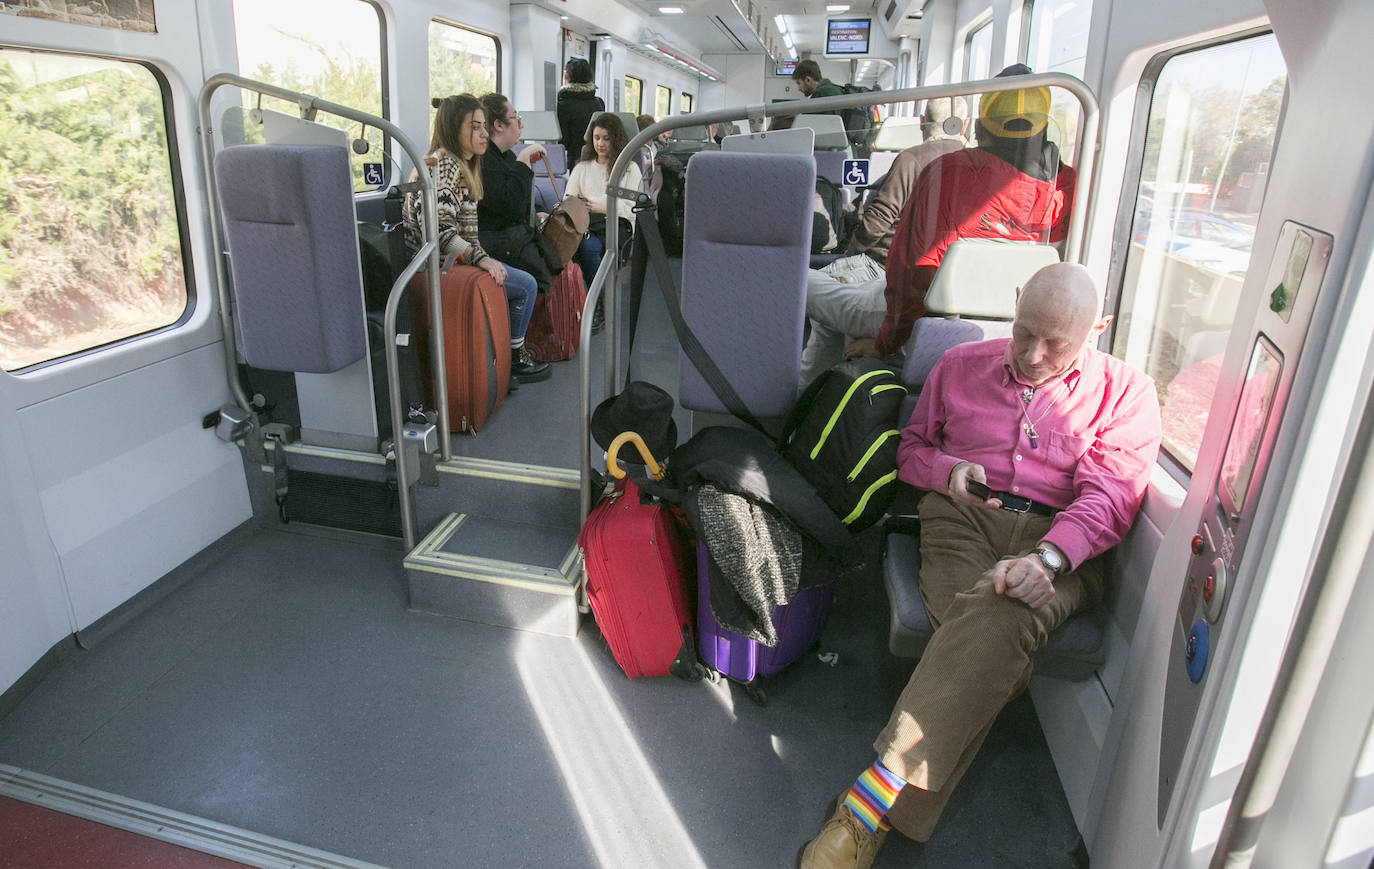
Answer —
330 49
90 222
1208 142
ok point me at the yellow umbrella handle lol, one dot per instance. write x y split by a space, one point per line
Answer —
630 437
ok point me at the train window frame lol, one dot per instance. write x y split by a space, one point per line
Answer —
979 26
476 31
666 94
384 84
1175 466
178 195
638 88
684 103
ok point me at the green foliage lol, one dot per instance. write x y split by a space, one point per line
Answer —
85 186
458 71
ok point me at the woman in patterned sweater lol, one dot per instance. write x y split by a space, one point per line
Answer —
455 149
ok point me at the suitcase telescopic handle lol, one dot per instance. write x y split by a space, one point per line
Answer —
629 437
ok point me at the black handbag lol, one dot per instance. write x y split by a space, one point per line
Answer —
526 248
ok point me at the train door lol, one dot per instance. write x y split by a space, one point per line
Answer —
110 341
1228 272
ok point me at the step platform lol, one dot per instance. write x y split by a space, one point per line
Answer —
498 572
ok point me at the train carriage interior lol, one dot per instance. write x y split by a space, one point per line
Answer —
269 596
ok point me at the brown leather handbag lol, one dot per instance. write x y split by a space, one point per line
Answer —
566 225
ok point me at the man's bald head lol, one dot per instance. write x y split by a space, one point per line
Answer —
1056 317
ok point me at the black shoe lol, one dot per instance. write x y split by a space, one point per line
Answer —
524 369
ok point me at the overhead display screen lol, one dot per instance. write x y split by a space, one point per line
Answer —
847 35
787 67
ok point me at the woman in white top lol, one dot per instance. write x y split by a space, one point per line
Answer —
605 140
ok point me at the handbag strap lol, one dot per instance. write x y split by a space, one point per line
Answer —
687 339
548 170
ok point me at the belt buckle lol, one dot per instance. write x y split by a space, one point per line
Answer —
1014 503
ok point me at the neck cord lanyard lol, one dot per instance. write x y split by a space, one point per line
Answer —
1027 394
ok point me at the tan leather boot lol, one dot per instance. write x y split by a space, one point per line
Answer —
843 843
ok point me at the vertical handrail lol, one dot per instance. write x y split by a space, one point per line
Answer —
427 257
1074 251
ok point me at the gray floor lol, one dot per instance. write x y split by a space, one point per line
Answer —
286 689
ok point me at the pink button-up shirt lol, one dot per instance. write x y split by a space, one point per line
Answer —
1098 435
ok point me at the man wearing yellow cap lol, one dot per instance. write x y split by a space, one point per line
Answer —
1012 186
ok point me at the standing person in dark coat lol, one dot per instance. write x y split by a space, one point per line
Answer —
577 105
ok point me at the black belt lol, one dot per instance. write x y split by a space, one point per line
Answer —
1017 504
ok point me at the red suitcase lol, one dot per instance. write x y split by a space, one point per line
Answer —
556 323
639 557
476 342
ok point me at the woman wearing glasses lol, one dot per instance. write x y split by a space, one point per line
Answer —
503 215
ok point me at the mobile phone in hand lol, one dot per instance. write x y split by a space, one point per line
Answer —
977 489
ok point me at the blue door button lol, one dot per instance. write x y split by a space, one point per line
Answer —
1195 657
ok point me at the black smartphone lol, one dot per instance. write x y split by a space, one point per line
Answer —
978 489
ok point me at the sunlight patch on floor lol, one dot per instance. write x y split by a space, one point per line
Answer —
625 812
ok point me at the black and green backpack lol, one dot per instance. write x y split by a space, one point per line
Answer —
842 435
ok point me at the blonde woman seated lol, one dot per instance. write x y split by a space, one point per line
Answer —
456 147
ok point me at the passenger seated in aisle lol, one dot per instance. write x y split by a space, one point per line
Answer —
1012 187
841 314
455 149
605 140
503 214
1043 415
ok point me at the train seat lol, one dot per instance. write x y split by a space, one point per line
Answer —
293 255
296 279
744 277
897 134
830 135
689 139
540 126
972 298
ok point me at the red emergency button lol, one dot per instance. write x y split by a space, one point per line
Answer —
1209 587
1197 544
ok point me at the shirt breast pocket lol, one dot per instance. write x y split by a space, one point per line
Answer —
1067 448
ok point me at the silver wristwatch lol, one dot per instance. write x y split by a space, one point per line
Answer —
1053 561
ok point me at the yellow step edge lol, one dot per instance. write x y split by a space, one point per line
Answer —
514 472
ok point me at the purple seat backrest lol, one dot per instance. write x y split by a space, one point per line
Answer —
830 164
747 239
292 237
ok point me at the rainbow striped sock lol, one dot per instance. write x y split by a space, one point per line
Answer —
872 795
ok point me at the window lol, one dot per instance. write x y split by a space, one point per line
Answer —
685 104
462 61
1208 140
634 92
663 101
978 53
1057 41
326 48
90 207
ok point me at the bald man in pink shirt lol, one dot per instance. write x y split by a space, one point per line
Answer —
1065 437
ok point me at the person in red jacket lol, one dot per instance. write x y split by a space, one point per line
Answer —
1012 186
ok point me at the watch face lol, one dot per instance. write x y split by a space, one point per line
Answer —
1050 559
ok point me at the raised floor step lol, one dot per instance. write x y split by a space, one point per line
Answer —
498 572
533 494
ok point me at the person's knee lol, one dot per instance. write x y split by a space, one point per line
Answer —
997 619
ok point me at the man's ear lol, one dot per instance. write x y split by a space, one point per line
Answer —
1101 326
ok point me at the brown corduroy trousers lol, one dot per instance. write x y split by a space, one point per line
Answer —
979 658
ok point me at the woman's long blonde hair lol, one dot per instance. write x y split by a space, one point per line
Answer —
450 122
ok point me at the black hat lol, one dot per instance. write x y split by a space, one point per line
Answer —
642 408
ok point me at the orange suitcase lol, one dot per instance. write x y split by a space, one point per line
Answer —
476 342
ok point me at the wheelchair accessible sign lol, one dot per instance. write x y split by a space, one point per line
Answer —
855 173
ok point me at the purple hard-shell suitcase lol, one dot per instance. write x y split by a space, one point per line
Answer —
798 624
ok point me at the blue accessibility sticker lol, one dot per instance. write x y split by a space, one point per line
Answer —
855 173
373 175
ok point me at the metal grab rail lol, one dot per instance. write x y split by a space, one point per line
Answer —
427 257
1085 152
